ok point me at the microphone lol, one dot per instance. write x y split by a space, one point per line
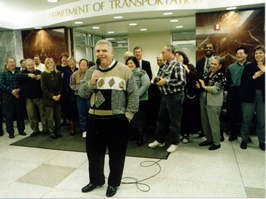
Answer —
98 62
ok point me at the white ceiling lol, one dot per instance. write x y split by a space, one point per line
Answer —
154 21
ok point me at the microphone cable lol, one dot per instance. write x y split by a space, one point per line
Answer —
139 183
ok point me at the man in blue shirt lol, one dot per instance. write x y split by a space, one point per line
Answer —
13 105
233 77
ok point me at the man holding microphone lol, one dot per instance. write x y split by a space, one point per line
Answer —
114 101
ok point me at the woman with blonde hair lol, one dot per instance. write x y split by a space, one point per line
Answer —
51 84
82 103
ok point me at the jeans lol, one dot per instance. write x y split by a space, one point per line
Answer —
83 106
169 117
248 110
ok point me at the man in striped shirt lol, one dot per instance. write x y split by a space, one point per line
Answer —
171 80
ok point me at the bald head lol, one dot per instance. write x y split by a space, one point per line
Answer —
160 60
127 54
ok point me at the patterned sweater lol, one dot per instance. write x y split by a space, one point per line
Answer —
114 93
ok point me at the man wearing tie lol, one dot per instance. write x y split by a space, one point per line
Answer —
203 65
143 64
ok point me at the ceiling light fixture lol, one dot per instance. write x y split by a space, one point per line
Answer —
78 22
231 8
52 1
132 24
111 32
167 13
143 29
179 26
174 20
95 27
118 17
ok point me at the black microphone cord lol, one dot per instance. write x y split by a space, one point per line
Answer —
139 183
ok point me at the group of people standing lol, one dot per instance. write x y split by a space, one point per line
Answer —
46 93
110 98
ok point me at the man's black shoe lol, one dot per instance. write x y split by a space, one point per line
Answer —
205 143
111 191
34 134
53 135
232 138
262 146
201 135
214 147
23 133
243 145
89 187
11 135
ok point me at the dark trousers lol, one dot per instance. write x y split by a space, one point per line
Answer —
248 110
170 114
1 119
13 109
234 111
102 133
83 106
52 117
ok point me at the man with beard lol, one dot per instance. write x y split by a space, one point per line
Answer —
203 65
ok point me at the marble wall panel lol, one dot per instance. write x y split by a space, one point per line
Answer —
238 28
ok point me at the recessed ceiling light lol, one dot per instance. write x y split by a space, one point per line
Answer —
143 29
78 22
132 24
231 8
167 13
110 39
52 1
111 32
174 20
37 27
179 27
118 17
95 27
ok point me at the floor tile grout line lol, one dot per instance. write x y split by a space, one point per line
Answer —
238 165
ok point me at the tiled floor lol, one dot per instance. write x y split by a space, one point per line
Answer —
190 172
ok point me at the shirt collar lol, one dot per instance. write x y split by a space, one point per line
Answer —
110 66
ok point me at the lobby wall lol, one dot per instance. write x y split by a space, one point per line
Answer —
46 43
10 46
151 44
238 28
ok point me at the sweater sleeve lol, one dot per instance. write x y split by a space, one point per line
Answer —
86 88
218 85
72 83
145 83
132 98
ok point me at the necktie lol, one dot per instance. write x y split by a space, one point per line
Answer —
208 65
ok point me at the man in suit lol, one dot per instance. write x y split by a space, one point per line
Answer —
203 65
143 64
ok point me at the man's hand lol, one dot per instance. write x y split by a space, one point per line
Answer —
95 76
37 77
202 83
161 82
15 92
56 97
257 74
197 84
31 75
